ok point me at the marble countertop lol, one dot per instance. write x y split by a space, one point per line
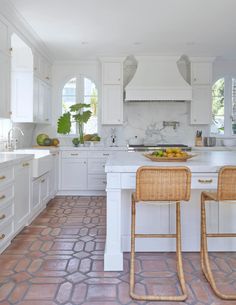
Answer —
12 159
202 162
95 147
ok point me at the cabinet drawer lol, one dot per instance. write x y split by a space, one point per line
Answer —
97 182
96 166
6 212
6 194
99 154
6 175
204 181
6 231
74 154
128 181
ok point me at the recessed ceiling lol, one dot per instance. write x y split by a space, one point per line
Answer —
72 29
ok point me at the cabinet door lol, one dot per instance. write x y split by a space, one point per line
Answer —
36 196
22 195
112 73
36 117
4 38
201 73
44 100
74 174
112 105
4 85
22 96
201 105
44 189
53 176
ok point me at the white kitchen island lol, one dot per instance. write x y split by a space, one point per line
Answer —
121 170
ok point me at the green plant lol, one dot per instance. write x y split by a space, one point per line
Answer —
75 114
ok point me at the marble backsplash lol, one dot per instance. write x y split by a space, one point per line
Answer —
141 119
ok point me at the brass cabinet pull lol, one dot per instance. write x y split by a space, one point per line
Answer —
74 154
2 177
2 217
25 164
54 154
42 181
205 181
106 154
104 182
2 236
2 197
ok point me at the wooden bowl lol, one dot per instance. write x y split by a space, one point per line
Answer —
168 159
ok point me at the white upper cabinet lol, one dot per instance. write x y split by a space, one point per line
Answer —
42 68
4 38
112 72
112 104
201 81
201 73
112 91
4 86
201 105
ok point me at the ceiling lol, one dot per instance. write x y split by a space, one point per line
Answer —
72 29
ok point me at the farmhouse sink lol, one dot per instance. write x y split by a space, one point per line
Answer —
42 161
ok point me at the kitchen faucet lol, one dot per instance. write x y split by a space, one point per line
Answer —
11 145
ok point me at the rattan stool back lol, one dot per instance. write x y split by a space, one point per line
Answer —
163 183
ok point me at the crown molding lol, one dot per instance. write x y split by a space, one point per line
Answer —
20 26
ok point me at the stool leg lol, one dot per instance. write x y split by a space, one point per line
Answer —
133 212
177 298
179 252
205 262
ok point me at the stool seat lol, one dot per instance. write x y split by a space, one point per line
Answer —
226 193
160 185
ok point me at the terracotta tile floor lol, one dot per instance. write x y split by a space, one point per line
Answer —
58 259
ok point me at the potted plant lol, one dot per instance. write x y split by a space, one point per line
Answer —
78 114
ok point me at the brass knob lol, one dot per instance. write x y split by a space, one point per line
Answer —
43 180
25 164
2 197
2 217
2 177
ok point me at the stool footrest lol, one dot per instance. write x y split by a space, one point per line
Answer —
221 235
155 235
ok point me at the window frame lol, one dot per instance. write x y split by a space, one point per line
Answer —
79 88
228 106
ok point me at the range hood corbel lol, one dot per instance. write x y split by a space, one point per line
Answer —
158 79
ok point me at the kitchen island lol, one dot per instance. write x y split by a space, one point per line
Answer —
121 170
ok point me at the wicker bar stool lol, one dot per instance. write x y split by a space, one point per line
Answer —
163 184
226 192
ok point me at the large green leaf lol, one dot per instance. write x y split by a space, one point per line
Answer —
82 117
64 123
77 107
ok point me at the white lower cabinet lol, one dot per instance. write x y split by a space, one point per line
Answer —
41 194
53 175
22 195
83 172
74 173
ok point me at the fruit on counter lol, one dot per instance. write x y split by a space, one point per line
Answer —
170 153
88 137
92 137
47 142
40 138
96 138
55 142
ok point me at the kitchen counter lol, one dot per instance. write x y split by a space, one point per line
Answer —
121 170
204 161
95 147
12 159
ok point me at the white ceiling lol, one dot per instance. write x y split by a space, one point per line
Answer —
72 29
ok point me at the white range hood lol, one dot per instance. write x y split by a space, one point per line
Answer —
158 79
